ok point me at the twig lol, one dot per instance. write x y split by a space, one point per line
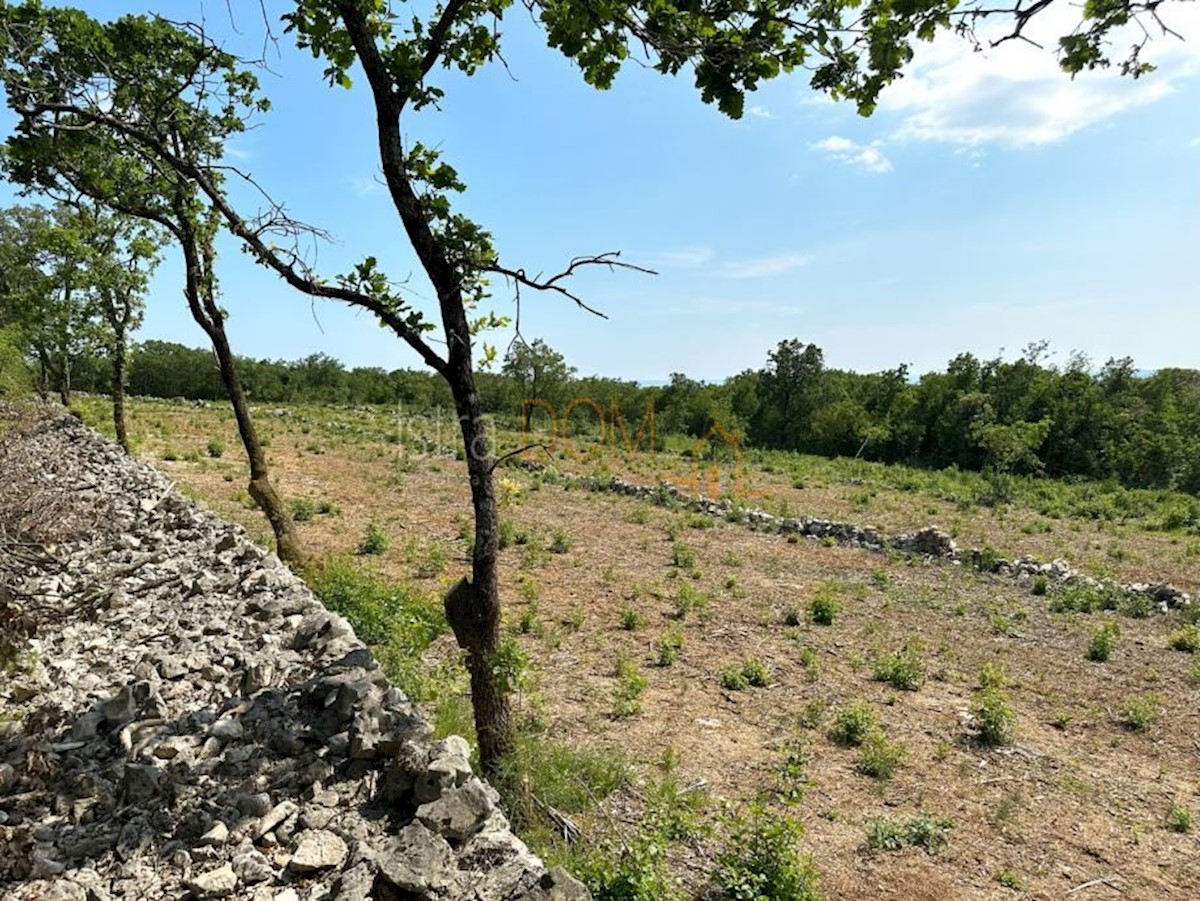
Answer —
1103 880
518 452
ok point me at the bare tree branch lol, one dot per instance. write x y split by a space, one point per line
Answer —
554 283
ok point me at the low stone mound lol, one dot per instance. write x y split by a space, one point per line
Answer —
189 721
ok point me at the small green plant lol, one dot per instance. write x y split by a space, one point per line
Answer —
1140 713
215 449
528 586
510 667
1041 584
878 757
631 685
733 679
992 675
924 831
824 607
1179 818
669 647
506 535
994 720
560 542
760 860
807 658
853 723
756 673
903 669
631 619
528 621
683 556
1104 641
1009 879
793 617
1186 638
303 509
170 454
375 540
689 599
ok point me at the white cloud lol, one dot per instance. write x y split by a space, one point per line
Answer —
684 258
761 112
869 157
364 186
1015 95
761 267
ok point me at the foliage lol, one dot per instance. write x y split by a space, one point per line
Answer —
631 685
903 669
824 606
1186 638
853 724
1103 642
375 540
879 757
924 831
760 859
1138 714
994 719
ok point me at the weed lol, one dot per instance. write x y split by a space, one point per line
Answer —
528 586
432 563
1140 713
216 449
528 621
375 540
853 723
689 599
756 673
560 542
1009 879
825 606
994 720
808 659
669 647
879 757
924 831
631 619
1179 818
509 665
303 509
992 675
793 617
506 535
640 514
683 556
700 521
1040 585
631 685
1104 641
760 861
1186 638
732 679
903 669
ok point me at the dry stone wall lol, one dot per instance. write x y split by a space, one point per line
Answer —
194 724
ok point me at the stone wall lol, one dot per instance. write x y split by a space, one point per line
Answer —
191 722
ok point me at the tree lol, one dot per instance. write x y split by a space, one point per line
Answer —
540 372
787 392
153 73
730 46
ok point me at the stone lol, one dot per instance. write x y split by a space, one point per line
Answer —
217 835
219 883
460 812
418 861
318 849
277 815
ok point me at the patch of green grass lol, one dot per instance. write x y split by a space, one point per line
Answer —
924 831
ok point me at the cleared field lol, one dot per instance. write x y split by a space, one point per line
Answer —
645 630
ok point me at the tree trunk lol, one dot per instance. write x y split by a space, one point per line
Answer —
43 385
64 382
118 389
473 610
198 256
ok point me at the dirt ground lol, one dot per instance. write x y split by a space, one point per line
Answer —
1080 806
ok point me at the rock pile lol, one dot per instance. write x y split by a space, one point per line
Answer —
195 724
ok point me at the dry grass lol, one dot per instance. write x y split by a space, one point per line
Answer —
1078 797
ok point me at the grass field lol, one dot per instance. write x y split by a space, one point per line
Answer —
937 732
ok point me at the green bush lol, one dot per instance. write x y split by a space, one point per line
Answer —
879 757
669 647
1104 641
1186 638
732 679
15 380
853 724
375 540
903 669
631 684
760 860
216 449
824 607
1139 714
994 718
303 509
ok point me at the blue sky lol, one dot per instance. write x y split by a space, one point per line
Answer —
990 202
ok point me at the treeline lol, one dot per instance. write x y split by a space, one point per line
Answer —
1012 417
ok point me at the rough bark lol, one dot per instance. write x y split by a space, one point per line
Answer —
118 389
198 257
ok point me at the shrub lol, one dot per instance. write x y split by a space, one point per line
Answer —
689 599
375 540
756 673
792 616
303 509
824 607
760 861
1040 584
669 647
1186 638
631 620
853 723
880 757
215 449
560 542
992 675
994 718
1139 714
1179 819
732 679
924 831
683 556
1104 640
631 684
903 669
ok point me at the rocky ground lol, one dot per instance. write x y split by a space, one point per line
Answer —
186 720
